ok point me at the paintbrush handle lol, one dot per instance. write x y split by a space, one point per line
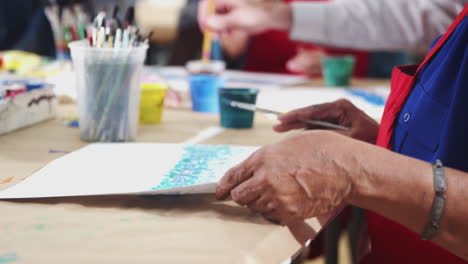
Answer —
311 122
252 107
208 35
325 124
268 111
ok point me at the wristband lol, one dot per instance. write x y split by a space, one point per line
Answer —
438 205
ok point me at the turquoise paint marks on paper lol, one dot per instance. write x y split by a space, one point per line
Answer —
8 258
40 227
149 218
141 218
200 164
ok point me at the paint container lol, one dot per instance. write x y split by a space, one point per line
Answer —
233 117
337 70
205 80
152 102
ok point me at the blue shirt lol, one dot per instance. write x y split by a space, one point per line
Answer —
433 123
24 26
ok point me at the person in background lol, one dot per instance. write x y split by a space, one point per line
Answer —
273 51
24 26
356 24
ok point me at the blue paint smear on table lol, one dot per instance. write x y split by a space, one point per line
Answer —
369 97
8 258
73 123
200 164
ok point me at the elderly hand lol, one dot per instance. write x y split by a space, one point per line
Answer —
341 112
251 17
307 61
302 176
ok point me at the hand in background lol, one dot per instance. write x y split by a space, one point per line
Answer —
341 112
252 17
307 61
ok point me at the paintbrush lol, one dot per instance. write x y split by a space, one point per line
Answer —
208 35
253 108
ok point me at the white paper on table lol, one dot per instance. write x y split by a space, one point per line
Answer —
288 99
177 78
131 168
262 79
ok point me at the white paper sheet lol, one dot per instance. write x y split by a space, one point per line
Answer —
176 77
370 100
132 168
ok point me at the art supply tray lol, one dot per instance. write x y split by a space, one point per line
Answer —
26 109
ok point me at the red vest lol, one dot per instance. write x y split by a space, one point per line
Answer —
390 241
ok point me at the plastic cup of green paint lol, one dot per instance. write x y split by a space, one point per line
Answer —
232 117
337 70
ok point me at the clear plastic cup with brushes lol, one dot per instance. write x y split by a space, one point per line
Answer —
108 82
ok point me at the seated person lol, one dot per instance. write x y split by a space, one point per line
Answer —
273 51
24 26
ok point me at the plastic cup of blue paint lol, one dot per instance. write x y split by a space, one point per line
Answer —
204 92
233 117
205 80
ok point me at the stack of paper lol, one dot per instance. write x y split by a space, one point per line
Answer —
177 78
135 168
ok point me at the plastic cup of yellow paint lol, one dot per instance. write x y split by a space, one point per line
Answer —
152 102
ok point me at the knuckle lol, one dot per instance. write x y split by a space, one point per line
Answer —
296 114
292 209
345 103
239 171
262 179
236 195
282 202
270 206
342 101
268 181
256 157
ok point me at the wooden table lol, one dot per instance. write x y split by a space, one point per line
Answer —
127 229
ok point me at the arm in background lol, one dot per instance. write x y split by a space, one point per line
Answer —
373 25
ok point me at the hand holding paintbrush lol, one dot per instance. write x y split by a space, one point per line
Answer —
341 112
252 107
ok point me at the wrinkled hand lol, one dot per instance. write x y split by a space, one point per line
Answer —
251 17
341 112
298 178
306 61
